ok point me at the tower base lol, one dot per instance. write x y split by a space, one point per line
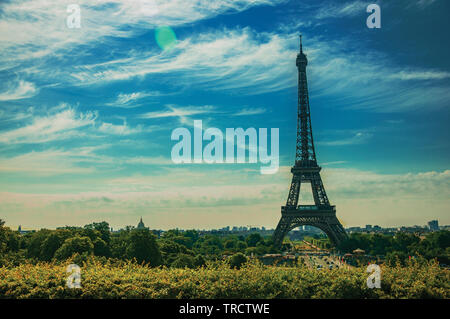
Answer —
322 217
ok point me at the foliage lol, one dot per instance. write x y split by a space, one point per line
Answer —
253 239
143 247
237 260
102 278
184 261
74 245
101 248
9 240
179 249
401 246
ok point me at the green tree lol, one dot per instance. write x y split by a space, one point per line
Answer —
80 245
241 245
199 261
9 240
35 242
253 239
404 241
170 251
230 244
209 245
143 246
193 234
52 243
103 229
119 244
183 261
3 237
101 248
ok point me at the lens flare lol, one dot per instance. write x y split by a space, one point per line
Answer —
165 38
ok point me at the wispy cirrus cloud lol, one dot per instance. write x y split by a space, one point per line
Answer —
244 62
421 4
129 100
19 90
75 160
64 122
341 9
49 162
250 111
421 75
178 111
356 138
60 125
334 163
222 60
34 29
118 129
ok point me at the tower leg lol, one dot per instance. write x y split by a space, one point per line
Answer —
329 225
283 227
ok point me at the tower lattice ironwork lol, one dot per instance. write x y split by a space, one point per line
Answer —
305 170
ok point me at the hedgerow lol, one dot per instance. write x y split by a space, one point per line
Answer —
219 280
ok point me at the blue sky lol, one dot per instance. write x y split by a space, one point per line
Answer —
86 114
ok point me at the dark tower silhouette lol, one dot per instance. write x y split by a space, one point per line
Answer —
305 170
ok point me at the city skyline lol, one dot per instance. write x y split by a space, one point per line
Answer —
233 227
86 114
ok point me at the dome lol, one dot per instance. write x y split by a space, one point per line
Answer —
141 224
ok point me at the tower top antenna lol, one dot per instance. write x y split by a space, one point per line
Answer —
301 46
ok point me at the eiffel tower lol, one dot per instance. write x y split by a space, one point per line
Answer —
305 170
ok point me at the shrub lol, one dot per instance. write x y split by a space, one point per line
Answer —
237 260
107 279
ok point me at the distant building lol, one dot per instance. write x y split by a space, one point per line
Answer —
23 232
141 225
433 225
354 229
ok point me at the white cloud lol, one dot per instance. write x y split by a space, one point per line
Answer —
421 75
180 112
37 28
123 129
361 197
422 3
222 60
64 122
129 100
146 160
359 184
250 111
356 138
77 160
49 162
246 62
333 10
334 163
57 126
21 90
